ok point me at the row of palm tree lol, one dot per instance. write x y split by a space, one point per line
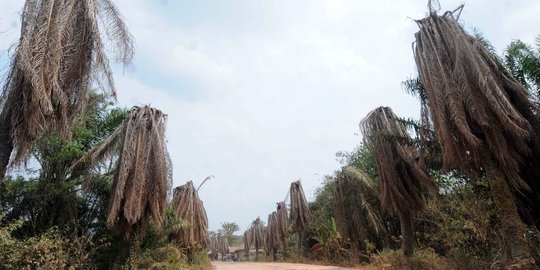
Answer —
219 245
280 223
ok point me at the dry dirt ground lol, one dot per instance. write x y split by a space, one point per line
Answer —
270 266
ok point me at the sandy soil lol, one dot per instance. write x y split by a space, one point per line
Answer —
270 266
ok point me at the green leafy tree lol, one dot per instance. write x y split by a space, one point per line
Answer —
523 61
227 230
73 201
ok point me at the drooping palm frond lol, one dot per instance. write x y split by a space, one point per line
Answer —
257 235
481 113
271 239
188 206
214 245
143 171
59 58
300 215
223 246
282 218
485 121
414 87
247 241
402 179
355 205
404 183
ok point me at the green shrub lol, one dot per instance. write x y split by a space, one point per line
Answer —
169 257
49 250
166 257
425 259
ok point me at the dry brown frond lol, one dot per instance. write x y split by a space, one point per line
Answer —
300 215
187 206
223 246
247 241
59 58
402 179
481 113
271 238
282 221
257 234
142 172
214 245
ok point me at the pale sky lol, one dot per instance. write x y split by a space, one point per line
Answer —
262 93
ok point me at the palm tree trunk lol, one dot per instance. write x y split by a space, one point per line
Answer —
285 248
6 145
300 244
135 248
407 232
513 228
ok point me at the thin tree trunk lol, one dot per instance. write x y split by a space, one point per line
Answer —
407 232
285 248
6 145
257 254
513 228
299 246
135 248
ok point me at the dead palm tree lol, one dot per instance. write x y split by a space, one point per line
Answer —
282 224
142 174
402 179
355 204
214 247
271 235
247 242
188 207
482 115
257 236
300 215
59 58
223 247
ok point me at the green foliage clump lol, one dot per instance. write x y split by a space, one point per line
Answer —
424 259
328 243
49 250
166 257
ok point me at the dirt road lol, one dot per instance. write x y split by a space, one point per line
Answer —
270 266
